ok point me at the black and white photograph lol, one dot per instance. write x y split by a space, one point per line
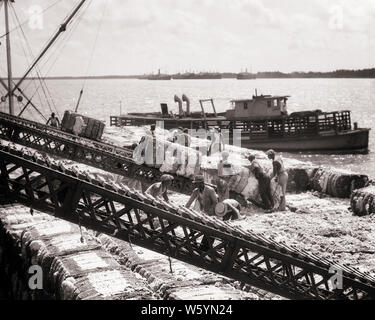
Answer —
187 158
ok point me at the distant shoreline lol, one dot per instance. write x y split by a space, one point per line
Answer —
338 74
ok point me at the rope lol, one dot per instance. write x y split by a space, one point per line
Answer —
43 84
95 42
92 55
26 56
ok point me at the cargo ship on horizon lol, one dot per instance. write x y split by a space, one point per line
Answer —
197 76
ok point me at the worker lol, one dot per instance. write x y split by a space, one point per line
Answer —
281 177
187 138
183 138
53 121
272 156
205 201
228 209
217 144
205 197
79 125
264 184
224 172
160 189
153 128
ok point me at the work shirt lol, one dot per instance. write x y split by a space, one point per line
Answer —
205 200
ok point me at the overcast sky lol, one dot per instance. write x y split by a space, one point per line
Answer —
140 36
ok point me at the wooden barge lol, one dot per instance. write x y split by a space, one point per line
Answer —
265 123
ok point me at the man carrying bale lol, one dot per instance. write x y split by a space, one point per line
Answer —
161 188
264 182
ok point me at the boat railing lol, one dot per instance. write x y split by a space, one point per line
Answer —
298 125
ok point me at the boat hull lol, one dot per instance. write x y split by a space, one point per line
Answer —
353 141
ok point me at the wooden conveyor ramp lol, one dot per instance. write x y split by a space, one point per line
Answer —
97 154
175 231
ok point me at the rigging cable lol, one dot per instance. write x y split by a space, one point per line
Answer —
92 55
44 87
75 24
95 43
21 44
61 46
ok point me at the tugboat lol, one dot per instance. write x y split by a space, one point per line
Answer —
265 124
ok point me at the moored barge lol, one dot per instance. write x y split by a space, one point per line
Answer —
265 123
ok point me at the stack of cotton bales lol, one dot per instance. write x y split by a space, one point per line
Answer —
67 264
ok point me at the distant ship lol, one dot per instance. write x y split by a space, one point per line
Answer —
201 75
158 76
245 76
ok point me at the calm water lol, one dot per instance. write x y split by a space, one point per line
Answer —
103 98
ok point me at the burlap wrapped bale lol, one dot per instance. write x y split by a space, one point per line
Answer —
362 201
337 183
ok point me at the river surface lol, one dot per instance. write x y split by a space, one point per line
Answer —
103 98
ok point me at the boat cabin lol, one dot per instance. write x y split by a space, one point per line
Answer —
259 107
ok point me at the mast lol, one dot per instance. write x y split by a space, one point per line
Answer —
9 58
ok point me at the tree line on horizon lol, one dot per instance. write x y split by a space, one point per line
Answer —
363 73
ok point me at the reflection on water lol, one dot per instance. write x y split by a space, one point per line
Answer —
103 98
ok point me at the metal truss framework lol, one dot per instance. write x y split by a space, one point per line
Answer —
175 231
97 154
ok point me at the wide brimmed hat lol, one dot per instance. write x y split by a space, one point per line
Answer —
221 209
198 179
166 177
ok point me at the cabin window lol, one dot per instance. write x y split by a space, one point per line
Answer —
245 105
269 104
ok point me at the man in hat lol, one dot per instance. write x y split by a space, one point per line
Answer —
160 189
229 209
